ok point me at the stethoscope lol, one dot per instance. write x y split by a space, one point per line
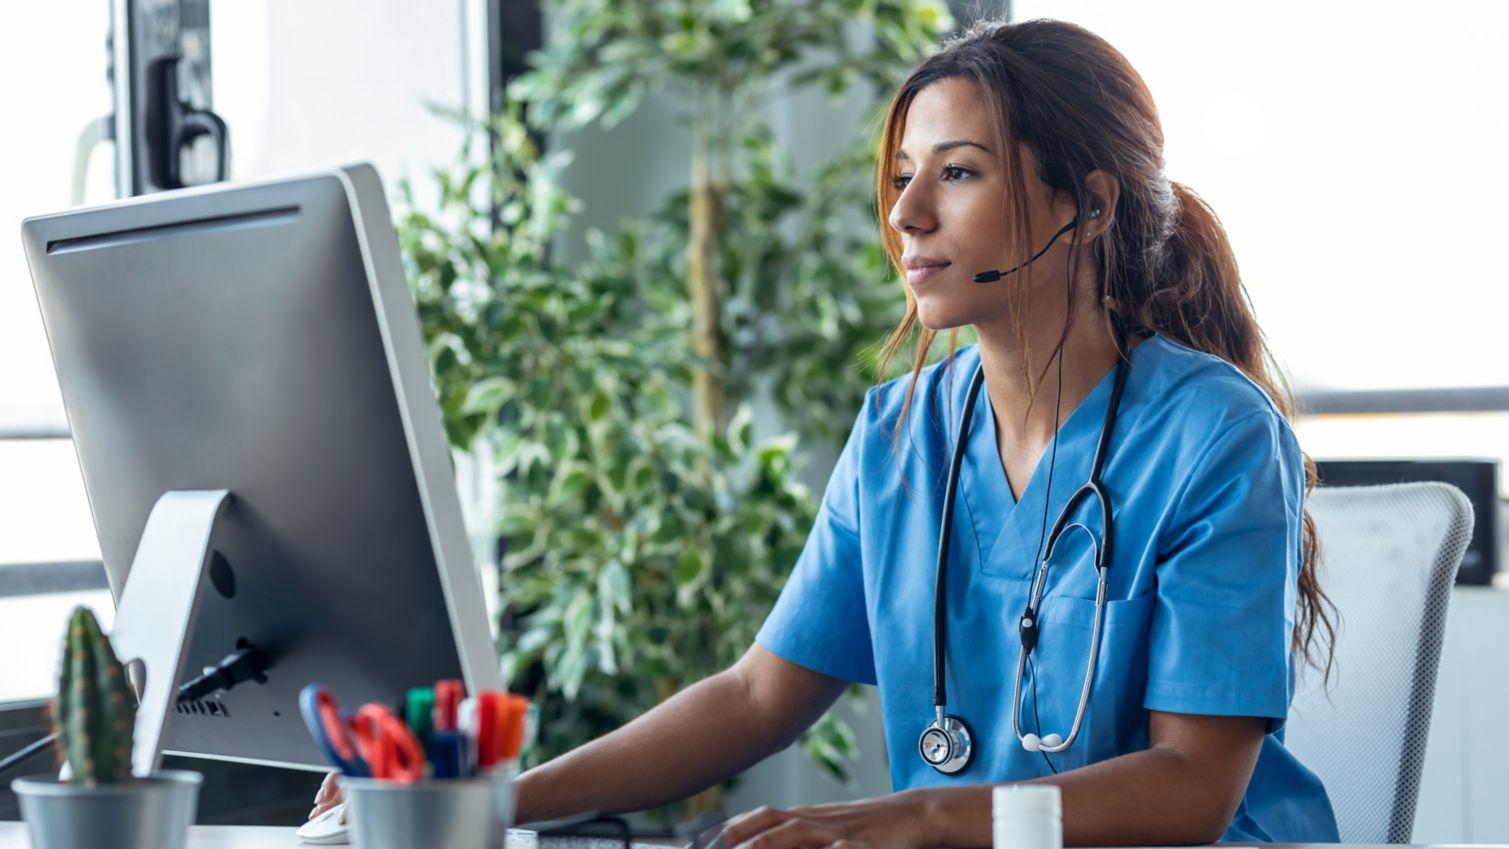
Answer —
947 744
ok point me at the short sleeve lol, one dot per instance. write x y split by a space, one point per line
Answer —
820 620
1227 575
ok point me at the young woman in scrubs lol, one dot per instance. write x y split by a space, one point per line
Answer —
992 148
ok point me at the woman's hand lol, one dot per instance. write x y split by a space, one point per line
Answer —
898 821
329 796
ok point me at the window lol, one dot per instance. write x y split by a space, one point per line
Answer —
301 86
53 58
1349 149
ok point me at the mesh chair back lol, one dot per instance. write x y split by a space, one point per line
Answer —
1389 557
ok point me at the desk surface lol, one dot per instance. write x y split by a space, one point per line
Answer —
13 836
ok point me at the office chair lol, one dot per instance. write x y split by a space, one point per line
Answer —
1389 556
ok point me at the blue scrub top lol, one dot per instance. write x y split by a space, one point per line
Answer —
1207 488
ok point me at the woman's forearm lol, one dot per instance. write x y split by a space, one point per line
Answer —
708 732
1152 797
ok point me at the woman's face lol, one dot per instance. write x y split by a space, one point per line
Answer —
954 212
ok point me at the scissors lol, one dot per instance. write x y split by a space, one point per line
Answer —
373 743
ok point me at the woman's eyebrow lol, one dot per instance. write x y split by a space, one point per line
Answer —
947 145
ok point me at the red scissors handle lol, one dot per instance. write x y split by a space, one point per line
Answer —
334 726
387 745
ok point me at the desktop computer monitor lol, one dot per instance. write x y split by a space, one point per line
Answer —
261 339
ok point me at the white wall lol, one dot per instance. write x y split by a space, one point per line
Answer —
304 85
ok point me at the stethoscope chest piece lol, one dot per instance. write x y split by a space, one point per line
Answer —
947 745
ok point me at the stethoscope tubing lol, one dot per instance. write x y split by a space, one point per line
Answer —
1102 558
1090 665
945 533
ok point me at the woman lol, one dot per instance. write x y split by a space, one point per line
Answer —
1030 155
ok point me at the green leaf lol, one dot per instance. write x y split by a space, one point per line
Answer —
574 483
578 619
740 428
689 567
613 586
601 405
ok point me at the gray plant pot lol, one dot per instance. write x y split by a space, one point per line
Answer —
146 813
457 813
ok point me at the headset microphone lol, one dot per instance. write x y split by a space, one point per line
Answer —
993 276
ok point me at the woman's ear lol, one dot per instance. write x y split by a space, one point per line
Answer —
1103 190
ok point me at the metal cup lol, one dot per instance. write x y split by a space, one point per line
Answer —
457 813
145 813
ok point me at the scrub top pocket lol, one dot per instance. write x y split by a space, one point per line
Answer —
1115 721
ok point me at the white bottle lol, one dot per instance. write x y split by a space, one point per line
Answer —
1027 816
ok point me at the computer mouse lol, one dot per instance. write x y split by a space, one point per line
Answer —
326 829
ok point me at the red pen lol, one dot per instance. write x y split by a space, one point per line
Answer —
448 696
489 750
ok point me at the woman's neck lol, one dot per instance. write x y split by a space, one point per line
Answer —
1089 354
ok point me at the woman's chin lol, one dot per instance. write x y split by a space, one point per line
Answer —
938 317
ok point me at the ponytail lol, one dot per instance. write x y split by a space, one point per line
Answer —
1201 300
1205 306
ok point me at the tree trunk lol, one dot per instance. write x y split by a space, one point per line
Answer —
707 196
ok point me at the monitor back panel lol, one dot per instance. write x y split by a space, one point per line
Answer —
228 339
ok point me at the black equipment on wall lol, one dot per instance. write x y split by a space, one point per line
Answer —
166 136
1479 479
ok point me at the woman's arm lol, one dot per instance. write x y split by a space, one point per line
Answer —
1183 789
708 732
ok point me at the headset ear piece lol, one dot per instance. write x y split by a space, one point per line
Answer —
1031 742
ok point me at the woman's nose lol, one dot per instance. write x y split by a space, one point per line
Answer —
911 212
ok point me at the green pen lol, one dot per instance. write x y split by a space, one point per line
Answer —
419 713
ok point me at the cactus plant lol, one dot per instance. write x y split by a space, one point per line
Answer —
94 713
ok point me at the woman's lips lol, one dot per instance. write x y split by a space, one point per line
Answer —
921 274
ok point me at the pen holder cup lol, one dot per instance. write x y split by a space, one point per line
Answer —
457 813
144 813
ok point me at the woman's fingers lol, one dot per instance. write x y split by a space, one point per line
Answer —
791 834
329 795
326 787
747 825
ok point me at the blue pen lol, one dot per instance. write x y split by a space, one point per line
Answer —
447 751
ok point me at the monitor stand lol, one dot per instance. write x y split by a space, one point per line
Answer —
158 607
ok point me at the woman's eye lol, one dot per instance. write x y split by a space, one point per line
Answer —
950 172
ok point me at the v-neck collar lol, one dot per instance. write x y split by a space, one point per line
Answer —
1006 530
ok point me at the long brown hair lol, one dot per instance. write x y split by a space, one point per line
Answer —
1165 263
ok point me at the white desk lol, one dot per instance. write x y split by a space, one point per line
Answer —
13 836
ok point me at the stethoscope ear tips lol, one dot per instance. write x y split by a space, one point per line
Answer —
1034 743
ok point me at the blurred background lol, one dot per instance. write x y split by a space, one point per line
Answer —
619 163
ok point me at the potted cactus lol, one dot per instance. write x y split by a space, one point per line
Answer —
97 801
